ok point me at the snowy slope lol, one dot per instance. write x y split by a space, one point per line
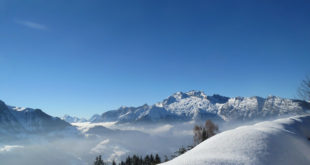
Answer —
196 105
280 142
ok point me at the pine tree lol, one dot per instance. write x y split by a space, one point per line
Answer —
128 161
157 159
135 160
152 158
166 158
147 160
141 160
99 161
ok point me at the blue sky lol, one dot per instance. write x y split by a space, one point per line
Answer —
82 57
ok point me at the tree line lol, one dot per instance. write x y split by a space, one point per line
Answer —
133 160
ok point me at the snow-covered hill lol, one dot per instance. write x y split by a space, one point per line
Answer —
195 105
279 142
16 120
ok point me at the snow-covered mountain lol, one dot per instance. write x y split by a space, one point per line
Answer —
73 119
16 120
280 142
196 105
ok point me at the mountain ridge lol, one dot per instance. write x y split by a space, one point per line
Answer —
196 105
16 120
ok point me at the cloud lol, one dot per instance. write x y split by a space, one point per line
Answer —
115 150
31 24
8 148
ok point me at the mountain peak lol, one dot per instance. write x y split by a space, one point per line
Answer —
181 95
196 93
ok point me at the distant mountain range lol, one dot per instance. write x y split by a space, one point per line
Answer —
74 119
16 120
196 105
192 105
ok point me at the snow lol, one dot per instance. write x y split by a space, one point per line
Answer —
283 141
19 108
196 105
73 119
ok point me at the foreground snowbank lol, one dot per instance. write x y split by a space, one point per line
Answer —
283 141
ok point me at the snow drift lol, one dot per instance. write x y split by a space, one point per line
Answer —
283 141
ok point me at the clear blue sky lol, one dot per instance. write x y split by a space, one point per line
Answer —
81 57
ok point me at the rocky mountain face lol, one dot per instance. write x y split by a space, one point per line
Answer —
26 120
196 105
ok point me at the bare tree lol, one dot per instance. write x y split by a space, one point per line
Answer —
211 129
203 133
304 89
197 134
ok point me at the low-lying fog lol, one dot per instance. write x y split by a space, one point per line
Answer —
88 140
113 142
